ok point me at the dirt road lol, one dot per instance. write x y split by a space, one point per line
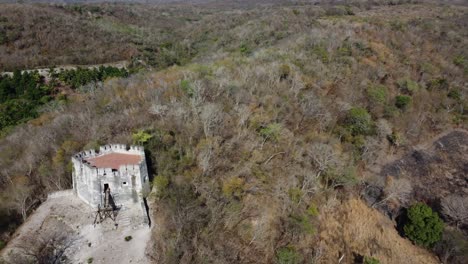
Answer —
46 74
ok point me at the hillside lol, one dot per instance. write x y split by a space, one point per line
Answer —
273 133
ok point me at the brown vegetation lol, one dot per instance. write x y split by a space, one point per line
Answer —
277 117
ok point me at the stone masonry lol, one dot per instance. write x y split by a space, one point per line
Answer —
116 166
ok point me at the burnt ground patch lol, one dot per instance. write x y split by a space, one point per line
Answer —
435 172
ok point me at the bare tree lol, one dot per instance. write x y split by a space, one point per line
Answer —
45 247
396 189
21 199
325 159
311 107
244 113
205 156
455 207
383 128
212 118
323 156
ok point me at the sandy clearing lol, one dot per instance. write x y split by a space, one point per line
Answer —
104 243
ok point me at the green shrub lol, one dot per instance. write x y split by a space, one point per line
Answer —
391 111
424 226
377 94
285 71
312 210
304 223
371 260
161 183
234 187
345 177
402 101
321 52
358 121
408 86
128 238
295 194
271 131
141 137
186 87
288 255
455 94
345 49
90 260
438 84
245 49
397 25
394 138
3 38
459 60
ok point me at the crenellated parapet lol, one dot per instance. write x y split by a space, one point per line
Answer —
106 149
117 167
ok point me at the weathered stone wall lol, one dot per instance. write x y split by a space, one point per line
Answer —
126 183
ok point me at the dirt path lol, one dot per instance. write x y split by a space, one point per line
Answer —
45 71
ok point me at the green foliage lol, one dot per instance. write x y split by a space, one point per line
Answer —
20 97
245 49
377 94
128 238
391 111
397 25
345 49
402 101
363 49
371 260
358 121
394 138
233 187
288 255
339 11
79 77
90 260
2 244
169 54
345 177
459 60
186 87
408 86
438 84
285 71
304 222
3 37
295 194
141 137
424 226
161 183
321 52
312 210
271 132
455 94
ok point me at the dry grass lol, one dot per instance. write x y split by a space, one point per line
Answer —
353 228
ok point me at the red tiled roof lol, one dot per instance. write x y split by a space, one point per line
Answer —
114 160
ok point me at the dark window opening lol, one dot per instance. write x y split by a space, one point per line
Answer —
106 186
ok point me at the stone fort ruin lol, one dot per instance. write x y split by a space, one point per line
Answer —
114 177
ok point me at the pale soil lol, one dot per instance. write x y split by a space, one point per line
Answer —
45 71
352 228
104 242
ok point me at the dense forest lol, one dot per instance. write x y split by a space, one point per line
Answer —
279 130
22 94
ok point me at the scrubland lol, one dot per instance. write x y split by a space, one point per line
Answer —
265 129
